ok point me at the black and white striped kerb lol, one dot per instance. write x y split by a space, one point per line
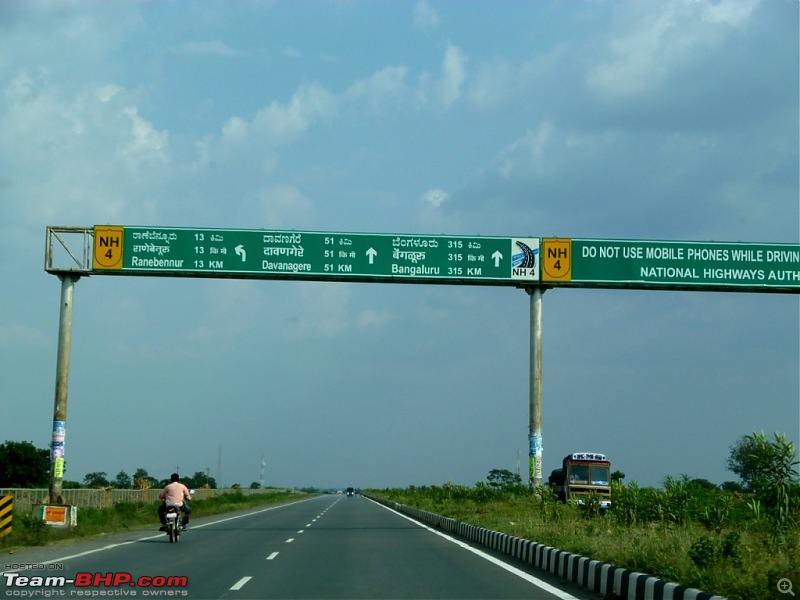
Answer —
592 574
6 514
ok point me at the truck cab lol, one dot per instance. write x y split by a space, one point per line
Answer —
582 474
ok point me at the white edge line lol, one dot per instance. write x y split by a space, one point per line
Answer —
558 593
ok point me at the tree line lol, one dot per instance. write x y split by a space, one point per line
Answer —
23 465
764 467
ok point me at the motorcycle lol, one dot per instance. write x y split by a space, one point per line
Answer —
176 520
174 523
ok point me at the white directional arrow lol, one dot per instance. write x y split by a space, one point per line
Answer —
241 252
497 256
372 253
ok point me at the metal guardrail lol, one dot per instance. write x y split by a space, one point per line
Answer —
26 499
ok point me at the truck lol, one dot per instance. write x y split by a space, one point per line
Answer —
583 474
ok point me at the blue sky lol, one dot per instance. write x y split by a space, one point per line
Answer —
673 120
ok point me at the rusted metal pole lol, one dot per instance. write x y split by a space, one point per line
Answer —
535 425
62 385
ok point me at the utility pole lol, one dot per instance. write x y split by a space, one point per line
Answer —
57 458
535 401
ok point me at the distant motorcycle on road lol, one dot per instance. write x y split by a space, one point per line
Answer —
176 521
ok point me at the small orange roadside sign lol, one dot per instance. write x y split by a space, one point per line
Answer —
55 514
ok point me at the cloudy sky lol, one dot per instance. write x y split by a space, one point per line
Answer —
668 120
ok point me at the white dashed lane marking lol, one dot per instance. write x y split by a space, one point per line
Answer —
240 584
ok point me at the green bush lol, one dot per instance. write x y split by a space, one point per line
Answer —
703 552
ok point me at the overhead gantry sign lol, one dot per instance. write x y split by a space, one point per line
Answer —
326 256
532 263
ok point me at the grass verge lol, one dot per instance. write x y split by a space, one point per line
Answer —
29 531
740 559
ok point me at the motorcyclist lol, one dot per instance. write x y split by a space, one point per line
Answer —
174 493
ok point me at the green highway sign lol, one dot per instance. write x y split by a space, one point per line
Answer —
257 253
733 266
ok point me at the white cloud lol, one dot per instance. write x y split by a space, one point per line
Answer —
54 144
381 89
657 42
388 87
492 83
446 90
107 92
280 123
424 15
146 144
275 126
434 215
734 13
435 198
73 39
235 129
454 72
527 155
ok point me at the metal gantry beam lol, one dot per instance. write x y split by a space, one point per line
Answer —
74 245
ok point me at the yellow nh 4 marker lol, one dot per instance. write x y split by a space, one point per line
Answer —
107 247
556 259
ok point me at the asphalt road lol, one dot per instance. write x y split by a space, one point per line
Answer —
325 547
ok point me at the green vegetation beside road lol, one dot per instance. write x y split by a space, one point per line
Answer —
29 531
733 543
